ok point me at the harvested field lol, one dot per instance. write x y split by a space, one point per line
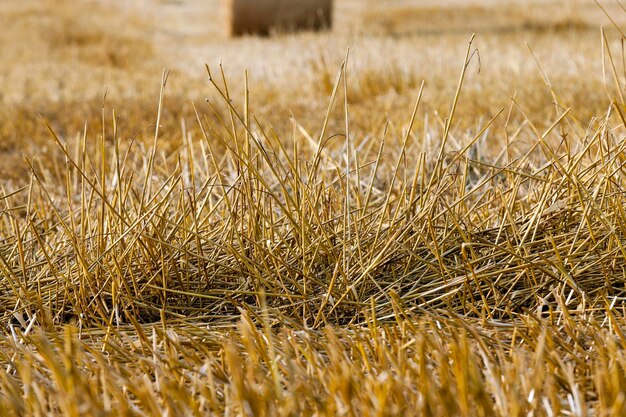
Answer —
418 212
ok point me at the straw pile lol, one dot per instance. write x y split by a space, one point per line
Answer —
263 17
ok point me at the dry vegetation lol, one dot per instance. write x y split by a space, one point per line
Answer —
310 237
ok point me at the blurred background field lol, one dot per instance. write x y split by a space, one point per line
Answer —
60 57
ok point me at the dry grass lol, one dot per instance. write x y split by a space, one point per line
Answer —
417 366
307 241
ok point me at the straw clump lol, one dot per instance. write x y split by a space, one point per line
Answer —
265 16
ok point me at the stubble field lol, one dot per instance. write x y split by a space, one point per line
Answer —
396 217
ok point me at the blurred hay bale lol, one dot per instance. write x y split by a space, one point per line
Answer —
264 16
